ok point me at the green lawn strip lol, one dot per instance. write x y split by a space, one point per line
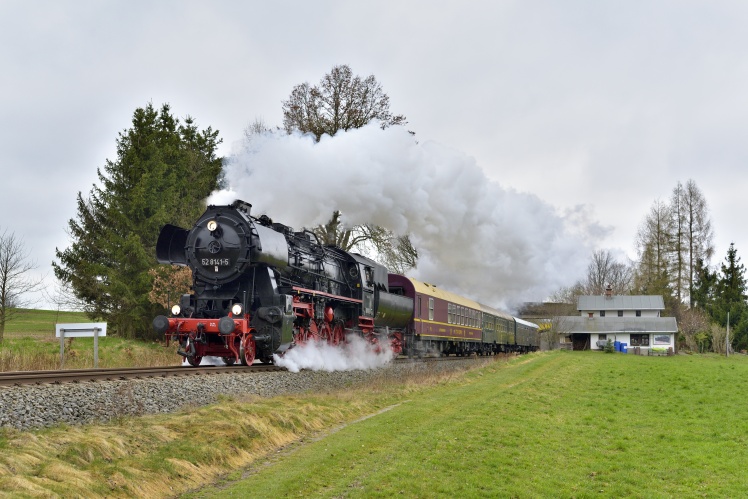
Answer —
40 322
560 424
30 344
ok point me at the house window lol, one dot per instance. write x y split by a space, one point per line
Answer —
590 314
602 313
638 313
639 340
431 309
620 313
602 336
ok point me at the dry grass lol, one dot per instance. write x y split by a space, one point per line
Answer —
43 353
30 344
164 455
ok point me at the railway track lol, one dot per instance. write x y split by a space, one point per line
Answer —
17 378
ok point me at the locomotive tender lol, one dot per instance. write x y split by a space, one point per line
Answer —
260 287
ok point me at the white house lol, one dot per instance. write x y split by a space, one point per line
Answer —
631 320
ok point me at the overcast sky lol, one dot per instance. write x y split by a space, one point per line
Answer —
595 107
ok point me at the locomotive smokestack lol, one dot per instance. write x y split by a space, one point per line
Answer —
243 206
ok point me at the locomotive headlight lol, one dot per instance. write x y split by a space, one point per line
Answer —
175 310
236 309
212 225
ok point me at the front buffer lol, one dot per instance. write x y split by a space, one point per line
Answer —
229 337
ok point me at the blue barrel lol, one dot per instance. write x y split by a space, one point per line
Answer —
617 345
624 348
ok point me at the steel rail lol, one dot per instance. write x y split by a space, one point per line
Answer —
14 378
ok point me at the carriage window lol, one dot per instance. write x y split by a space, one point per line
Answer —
431 309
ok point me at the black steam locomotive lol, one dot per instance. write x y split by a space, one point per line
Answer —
260 287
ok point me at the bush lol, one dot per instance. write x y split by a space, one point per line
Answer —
609 347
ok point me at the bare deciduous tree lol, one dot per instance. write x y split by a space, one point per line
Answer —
655 246
699 235
603 271
672 239
15 277
719 336
694 324
341 101
169 283
554 332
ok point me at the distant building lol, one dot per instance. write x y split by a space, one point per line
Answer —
631 320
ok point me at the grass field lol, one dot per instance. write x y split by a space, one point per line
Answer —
30 344
551 425
560 424
39 323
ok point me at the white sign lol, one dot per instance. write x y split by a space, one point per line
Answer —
80 330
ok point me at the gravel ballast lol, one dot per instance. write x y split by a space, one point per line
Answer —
38 406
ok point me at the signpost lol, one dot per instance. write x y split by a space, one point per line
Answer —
81 330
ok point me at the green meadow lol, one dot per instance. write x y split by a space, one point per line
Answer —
555 424
29 344
560 424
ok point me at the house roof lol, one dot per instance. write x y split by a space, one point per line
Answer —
621 302
576 324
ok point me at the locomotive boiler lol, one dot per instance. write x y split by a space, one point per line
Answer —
261 287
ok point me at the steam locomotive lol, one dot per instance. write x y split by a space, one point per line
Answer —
260 287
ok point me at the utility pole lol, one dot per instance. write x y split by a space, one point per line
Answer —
727 337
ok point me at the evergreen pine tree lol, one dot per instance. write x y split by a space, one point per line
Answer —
704 287
731 297
163 172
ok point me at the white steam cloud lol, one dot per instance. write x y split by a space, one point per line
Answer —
474 237
355 354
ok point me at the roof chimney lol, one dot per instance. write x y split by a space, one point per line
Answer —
608 292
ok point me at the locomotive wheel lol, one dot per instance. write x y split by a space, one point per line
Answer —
247 351
194 361
229 361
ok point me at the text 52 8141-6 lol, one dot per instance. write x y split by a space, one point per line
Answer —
219 262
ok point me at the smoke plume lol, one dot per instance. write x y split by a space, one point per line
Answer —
474 236
355 354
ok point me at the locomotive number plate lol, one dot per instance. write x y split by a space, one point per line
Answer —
216 262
